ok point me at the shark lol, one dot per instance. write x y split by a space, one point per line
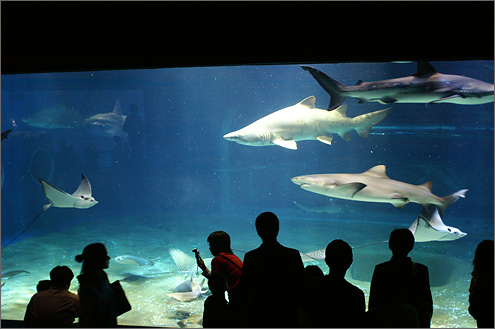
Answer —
303 121
430 227
107 124
80 199
60 116
425 86
374 185
188 291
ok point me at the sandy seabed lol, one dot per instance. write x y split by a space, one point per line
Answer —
146 286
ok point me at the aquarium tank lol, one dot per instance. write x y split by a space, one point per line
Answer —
149 162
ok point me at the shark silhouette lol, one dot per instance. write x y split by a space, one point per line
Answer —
304 121
425 86
374 185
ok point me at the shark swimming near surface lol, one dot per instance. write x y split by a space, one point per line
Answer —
425 86
374 185
81 198
304 121
107 124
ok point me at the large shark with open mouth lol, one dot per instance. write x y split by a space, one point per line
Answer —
374 185
425 86
81 198
305 122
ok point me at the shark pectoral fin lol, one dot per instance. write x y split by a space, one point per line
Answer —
346 135
325 139
398 200
446 98
288 144
387 100
350 189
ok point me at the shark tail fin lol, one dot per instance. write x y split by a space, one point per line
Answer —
331 86
366 121
450 199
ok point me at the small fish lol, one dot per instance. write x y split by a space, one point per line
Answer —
6 133
132 260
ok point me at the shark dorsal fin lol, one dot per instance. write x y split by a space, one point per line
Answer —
428 185
308 102
342 109
377 171
84 187
359 82
117 109
424 69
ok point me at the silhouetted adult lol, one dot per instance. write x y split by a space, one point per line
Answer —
481 288
224 261
269 279
215 309
398 284
330 300
96 295
55 307
133 126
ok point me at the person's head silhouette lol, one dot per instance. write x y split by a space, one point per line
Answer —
401 242
61 276
219 242
267 226
94 257
217 283
338 256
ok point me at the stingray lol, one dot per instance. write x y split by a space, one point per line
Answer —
185 263
81 198
188 291
430 227
427 227
132 260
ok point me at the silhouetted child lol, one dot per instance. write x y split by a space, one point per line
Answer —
399 287
43 285
330 300
481 288
215 308
55 307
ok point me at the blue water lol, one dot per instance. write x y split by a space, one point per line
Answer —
185 169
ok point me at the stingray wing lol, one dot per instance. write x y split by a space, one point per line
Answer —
57 197
84 188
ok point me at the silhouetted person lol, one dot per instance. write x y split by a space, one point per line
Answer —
43 285
270 276
399 284
330 300
96 295
224 261
215 308
481 288
134 128
55 307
